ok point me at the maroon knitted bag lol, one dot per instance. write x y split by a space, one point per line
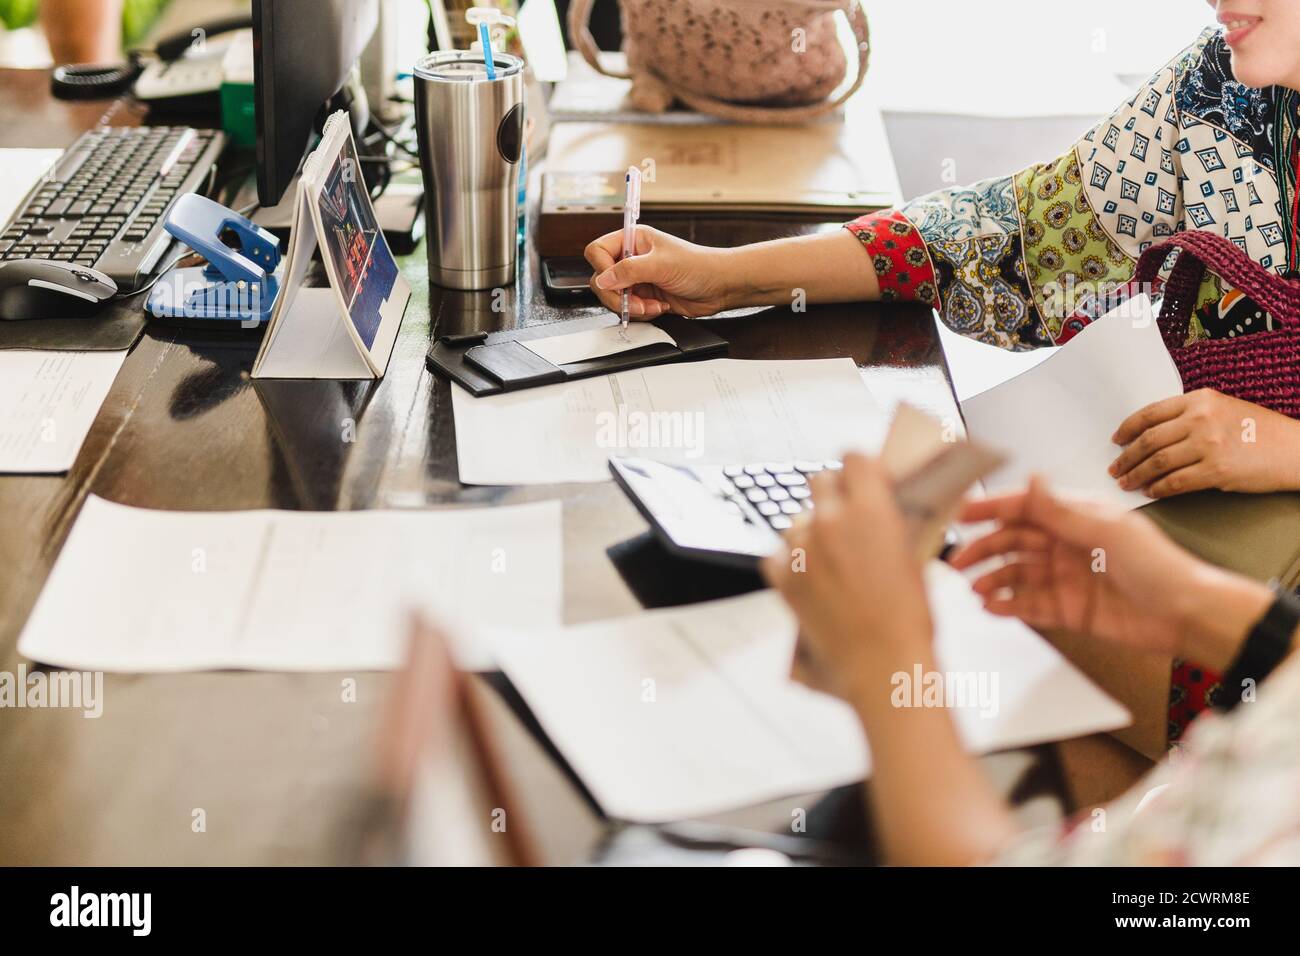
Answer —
1260 367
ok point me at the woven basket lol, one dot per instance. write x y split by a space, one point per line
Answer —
1260 367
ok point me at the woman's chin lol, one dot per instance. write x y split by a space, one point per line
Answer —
1253 72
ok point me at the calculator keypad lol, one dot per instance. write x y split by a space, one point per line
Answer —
777 490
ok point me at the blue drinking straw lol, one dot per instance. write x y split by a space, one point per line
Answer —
487 51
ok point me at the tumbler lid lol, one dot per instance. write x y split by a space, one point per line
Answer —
464 66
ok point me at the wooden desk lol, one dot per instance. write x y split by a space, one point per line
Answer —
277 762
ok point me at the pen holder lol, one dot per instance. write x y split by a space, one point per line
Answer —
470 130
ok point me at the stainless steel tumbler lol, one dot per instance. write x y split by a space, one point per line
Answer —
470 131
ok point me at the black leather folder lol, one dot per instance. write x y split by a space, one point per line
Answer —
486 363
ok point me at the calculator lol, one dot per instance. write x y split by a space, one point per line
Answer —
723 514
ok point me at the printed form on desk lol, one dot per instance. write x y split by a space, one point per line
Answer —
48 399
136 589
689 711
719 411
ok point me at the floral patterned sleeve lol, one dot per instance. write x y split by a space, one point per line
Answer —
1027 260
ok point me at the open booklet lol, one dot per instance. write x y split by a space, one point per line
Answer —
344 330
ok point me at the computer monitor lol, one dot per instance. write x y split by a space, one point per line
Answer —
303 51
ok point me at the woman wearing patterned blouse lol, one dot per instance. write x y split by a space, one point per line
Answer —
1027 260
1227 798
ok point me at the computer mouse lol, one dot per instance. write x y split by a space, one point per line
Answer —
50 289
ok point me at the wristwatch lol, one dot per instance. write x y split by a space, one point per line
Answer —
1266 646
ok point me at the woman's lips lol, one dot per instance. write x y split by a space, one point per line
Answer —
1238 27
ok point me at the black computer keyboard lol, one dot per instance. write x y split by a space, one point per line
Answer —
777 490
104 203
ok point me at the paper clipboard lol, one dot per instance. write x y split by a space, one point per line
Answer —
486 363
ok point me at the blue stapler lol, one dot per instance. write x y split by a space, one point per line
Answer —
239 284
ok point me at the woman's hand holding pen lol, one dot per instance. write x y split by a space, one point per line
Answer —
667 274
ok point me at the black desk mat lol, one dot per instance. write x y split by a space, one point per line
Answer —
111 328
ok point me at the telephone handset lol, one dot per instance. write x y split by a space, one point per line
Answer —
185 72
182 71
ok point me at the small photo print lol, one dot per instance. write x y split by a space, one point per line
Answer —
363 266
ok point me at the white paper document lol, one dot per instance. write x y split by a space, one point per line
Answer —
142 590
48 401
595 343
976 366
20 169
1056 419
688 711
713 412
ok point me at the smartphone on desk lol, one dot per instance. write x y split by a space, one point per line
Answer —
567 279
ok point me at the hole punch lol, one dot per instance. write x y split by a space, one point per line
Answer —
240 283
